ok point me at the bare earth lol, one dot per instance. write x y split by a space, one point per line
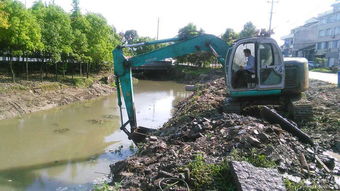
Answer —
36 98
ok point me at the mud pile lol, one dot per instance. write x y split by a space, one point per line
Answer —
194 148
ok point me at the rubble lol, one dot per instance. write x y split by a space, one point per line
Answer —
196 145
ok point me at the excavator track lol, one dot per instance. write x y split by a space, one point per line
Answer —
300 110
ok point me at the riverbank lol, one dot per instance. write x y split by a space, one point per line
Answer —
26 97
195 148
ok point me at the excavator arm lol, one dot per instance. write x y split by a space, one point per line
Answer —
180 47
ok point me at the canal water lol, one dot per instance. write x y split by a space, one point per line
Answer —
71 147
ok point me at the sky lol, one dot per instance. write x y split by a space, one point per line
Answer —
213 16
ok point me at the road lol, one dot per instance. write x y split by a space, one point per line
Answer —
327 77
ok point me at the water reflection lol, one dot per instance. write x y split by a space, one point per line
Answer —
67 147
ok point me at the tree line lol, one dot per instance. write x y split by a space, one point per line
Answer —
56 38
69 43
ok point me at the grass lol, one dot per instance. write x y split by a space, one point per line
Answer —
254 158
81 82
107 187
324 70
292 186
50 86
13 88
47 85
206 176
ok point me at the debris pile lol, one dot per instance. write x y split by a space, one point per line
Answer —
195 150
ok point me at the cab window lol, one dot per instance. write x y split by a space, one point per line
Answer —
239 58
268 65
244 67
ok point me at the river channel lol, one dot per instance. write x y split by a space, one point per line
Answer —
71 147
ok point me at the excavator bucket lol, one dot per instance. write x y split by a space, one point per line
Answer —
140 134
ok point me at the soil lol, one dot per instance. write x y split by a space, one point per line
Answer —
200 129
31 96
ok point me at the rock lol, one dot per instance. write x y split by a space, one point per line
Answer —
308 182
328 161
337 181
337 145
126 174
263 137
248 177
197 128
253 141
153 138
190 88
310 150
292 178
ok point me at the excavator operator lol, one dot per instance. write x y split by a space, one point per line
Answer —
243 75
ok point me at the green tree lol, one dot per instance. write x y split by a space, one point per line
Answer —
189 30
199 58
39 11
75 9
230 36
101 40
23 34
148 48
80 47
249 30
57 33
130 36
3 16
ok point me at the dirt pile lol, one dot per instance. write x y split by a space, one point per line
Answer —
195 147
38 96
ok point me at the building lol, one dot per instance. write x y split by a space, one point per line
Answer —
318 38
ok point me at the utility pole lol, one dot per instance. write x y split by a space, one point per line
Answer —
271 15
157 28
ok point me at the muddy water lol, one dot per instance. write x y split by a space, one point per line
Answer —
66 148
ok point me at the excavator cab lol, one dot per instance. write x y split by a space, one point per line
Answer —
267 75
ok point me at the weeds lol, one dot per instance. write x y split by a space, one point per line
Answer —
292 186
81 82
50 86
325 70
196 71
210 176
105 187
13 88
132 147
254 158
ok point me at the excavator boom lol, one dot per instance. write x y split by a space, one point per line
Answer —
180 47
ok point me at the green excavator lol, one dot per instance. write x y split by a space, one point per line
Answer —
273 81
